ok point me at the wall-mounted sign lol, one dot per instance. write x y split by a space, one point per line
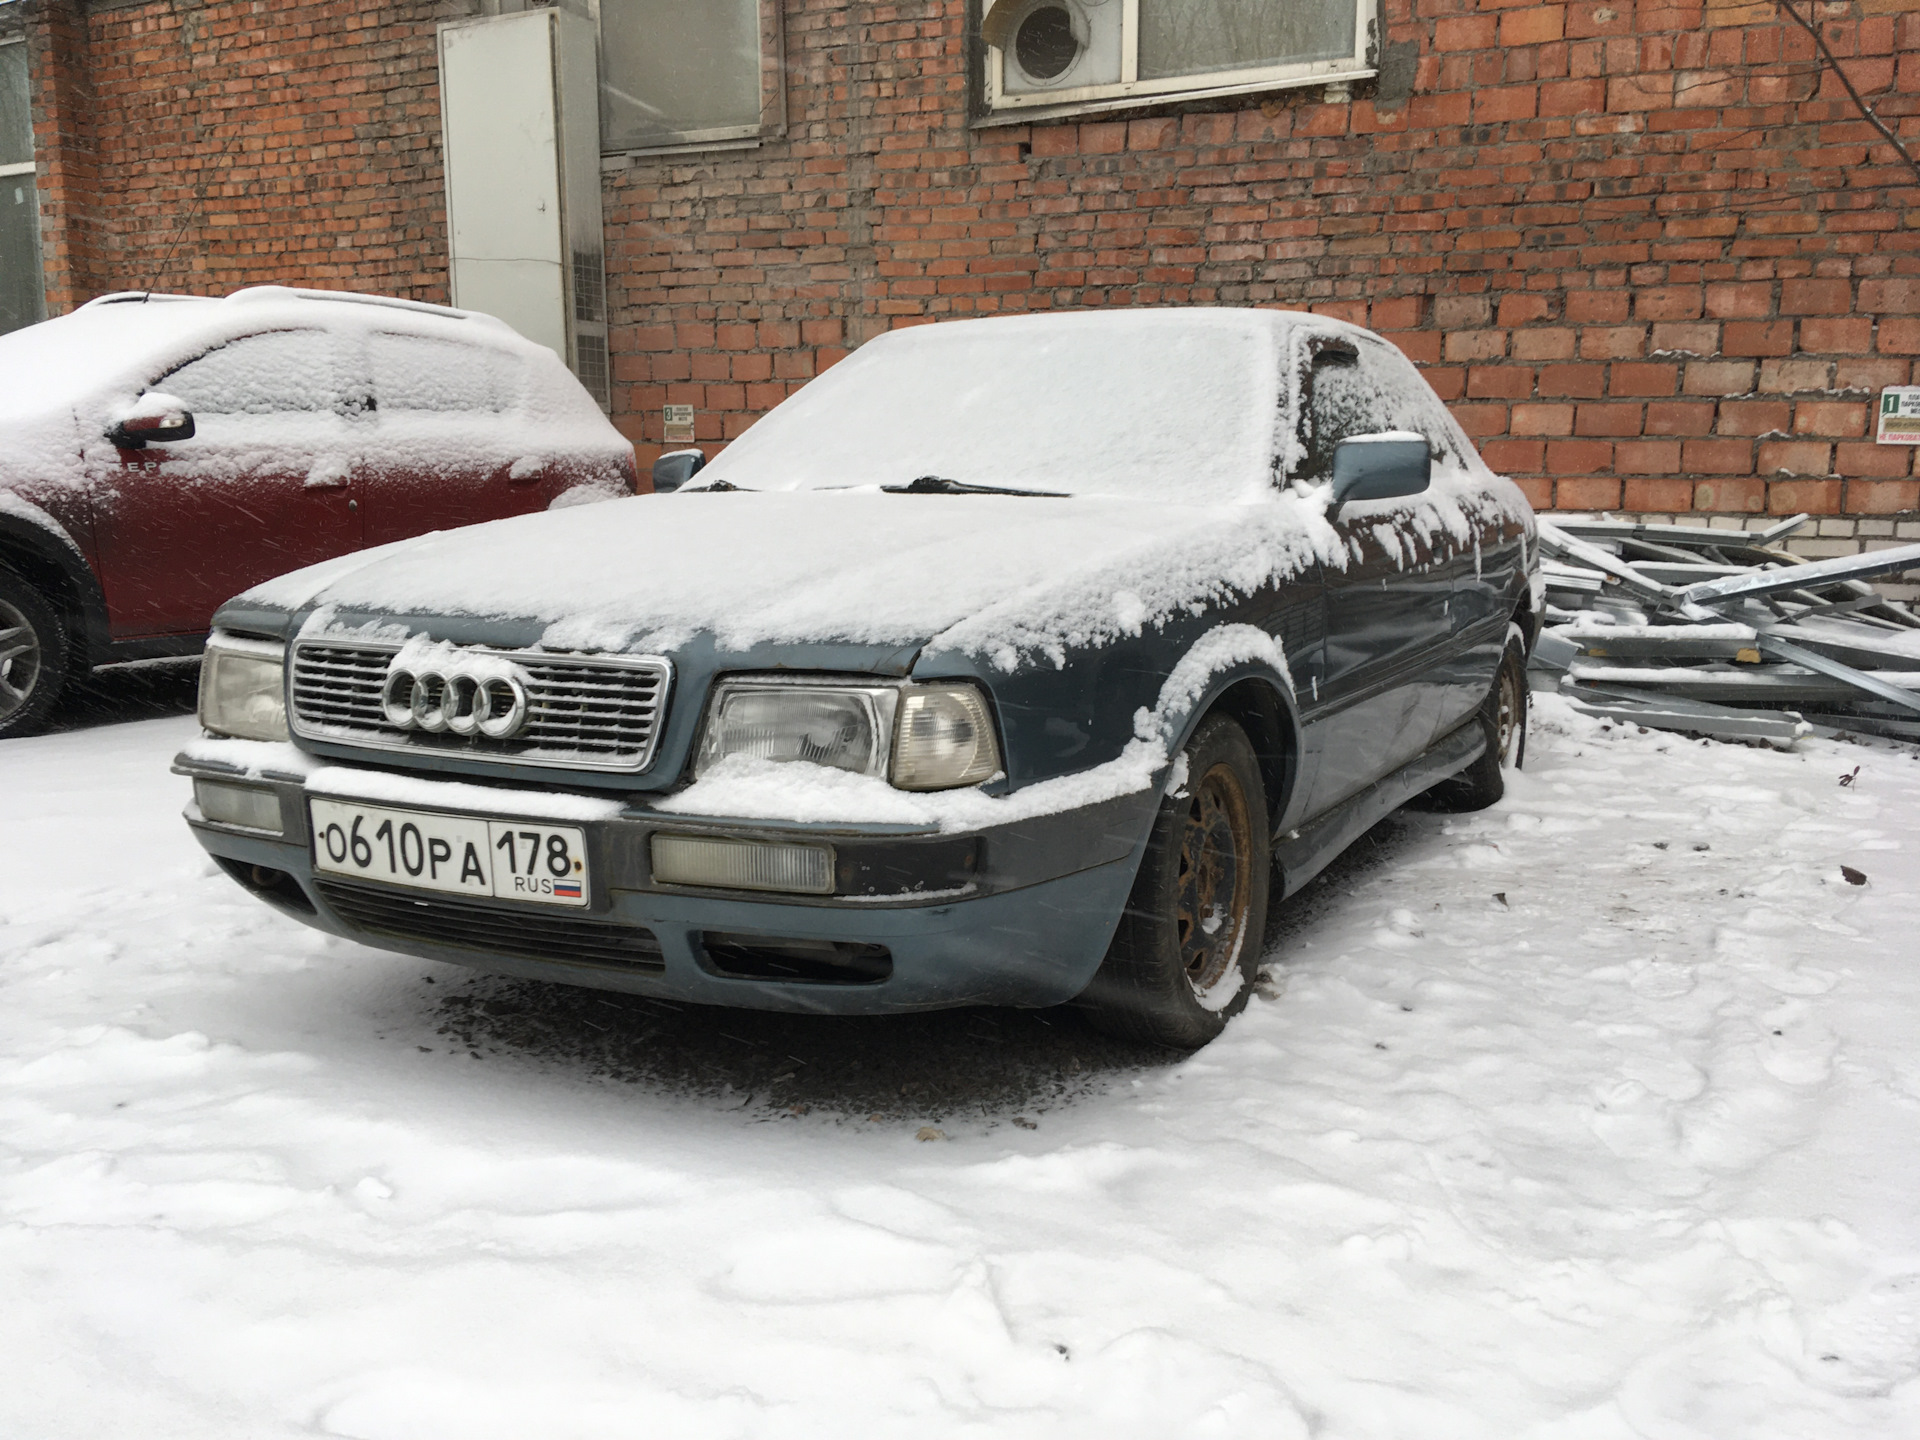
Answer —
1899 415
680 423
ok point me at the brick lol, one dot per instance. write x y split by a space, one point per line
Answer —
1476 345
1717 457
1628 377
1883 498
1578 382
1679 417
1542 420
1837 418
1667 302
1509 457
1544 343
1719 377
1518 310
1742 300
1672 337
1462 312
1899 337
1587 493
1613 342
1578 457
1790 377
1499 382
1754 417
1608 420
1815 497
1536 25
1479 420
1866 460
1598 307
1647 457
1896 296
1794 457
1815 297
1850 336
1644 495
1741 495
1537 489
1756 337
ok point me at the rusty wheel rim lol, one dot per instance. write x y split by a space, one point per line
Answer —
1508 721
1216 880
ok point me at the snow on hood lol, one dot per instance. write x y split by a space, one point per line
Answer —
996 576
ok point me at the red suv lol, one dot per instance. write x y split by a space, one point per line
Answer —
162 453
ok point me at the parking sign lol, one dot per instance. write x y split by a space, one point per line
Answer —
1899 415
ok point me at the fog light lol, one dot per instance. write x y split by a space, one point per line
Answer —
247 806
743 864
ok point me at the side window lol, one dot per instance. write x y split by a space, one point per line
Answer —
276 373
1413 404
1344 399
418 372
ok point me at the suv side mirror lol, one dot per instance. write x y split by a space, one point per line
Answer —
675 468
1380 467
153 419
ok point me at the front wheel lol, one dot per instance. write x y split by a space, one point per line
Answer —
1182 962
1503 718
33 656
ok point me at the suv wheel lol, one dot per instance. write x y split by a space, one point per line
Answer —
1503 716
33 656
1182 962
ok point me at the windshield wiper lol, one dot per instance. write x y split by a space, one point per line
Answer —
941 485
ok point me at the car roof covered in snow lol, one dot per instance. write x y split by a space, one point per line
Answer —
122 342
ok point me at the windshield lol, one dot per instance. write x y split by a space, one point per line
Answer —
1173 405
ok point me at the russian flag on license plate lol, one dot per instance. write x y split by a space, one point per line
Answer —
570 889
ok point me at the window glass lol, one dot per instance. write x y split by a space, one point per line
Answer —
418 372
21 293
16 107
1412 403
1192 37
271 374
1346 401
671 72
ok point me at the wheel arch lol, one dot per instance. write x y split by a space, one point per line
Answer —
1258 697
47 558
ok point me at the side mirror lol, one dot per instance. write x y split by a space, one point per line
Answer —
1380 467
675 468
153 419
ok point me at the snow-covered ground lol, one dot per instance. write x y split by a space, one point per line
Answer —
1592 1116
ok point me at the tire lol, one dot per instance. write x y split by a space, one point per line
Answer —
1167 979
1503 716
33 656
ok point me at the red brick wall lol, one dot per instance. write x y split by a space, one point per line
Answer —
1646 249
199 147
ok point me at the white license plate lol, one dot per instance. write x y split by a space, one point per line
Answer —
457 854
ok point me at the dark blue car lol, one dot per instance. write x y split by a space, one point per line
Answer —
1012 662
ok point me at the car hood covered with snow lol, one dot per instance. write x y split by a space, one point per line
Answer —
1001 578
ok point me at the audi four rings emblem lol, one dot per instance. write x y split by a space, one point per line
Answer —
460 697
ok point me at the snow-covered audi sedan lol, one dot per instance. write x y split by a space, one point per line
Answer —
159 453
1014 661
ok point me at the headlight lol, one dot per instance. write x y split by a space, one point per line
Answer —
919 737
240 689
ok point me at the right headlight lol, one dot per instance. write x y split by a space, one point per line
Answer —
935 736
241 688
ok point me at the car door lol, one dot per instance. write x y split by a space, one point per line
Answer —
1387 607
449 449
263 487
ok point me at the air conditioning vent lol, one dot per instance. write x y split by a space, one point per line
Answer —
1047 45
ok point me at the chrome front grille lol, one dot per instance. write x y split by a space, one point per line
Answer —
584 712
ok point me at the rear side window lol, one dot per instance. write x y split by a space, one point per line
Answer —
275 373
421 373
1413 404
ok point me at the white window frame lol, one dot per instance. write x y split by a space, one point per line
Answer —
1131 90
22 167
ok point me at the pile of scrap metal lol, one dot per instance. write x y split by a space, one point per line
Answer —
1721 632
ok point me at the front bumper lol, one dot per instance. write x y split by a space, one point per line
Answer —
1019 914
